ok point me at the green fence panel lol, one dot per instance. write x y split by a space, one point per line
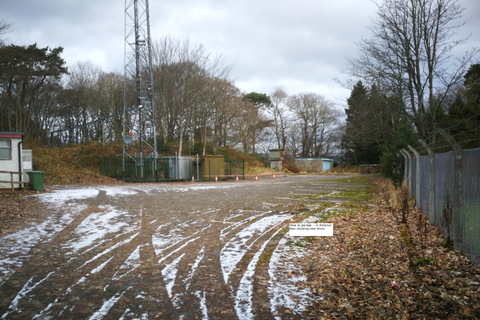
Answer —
163 169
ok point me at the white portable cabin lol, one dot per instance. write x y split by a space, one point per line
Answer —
11 160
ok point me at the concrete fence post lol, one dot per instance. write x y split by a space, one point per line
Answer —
417 177
410 169
406 173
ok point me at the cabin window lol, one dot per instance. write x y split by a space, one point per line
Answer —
5 149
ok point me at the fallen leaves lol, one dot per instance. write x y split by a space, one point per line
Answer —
15 208
365 271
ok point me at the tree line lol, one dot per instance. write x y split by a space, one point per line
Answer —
407 87
196 103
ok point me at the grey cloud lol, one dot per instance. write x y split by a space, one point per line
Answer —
300 44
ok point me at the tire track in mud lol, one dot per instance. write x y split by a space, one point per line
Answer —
64 272
165 257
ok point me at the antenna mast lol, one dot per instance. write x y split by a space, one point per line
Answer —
139 124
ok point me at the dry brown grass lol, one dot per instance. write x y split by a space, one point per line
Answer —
344 170
79 163
73 164
399 200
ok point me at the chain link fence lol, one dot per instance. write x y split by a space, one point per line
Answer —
471 204
234 169
444 209
165 169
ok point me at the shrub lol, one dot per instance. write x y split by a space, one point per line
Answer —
291 167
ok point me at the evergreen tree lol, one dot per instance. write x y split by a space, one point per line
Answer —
375 132
25 72
464 112
354 124
367 125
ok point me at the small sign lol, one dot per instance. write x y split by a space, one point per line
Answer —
310 229
27 165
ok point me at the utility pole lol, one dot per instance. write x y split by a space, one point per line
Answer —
139 125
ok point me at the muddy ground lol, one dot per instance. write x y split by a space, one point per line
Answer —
160 251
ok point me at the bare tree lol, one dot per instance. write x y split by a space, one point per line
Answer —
80 102
410 56
278 111
109 90
317 121
184 75
4 28
224 100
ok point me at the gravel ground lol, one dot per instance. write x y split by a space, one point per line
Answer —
157 251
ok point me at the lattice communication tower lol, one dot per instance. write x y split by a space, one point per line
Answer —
138 103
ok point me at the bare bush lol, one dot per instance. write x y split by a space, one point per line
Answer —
400 201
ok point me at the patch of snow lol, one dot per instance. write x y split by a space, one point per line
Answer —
162 242
100 267
203 303
149 189
83 279
234 225
15 247
59 198
107 305
311 219
191 273
243 300
169 274
127 313
178 249
269 205
118 244
95 270
27 288
141 295
283 290
205 187
235 249
118 191
130 264
99 224
202 212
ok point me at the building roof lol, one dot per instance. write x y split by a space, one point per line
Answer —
12 135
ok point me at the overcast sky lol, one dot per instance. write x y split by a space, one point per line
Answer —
298 44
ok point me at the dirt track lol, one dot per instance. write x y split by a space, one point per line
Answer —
160 251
